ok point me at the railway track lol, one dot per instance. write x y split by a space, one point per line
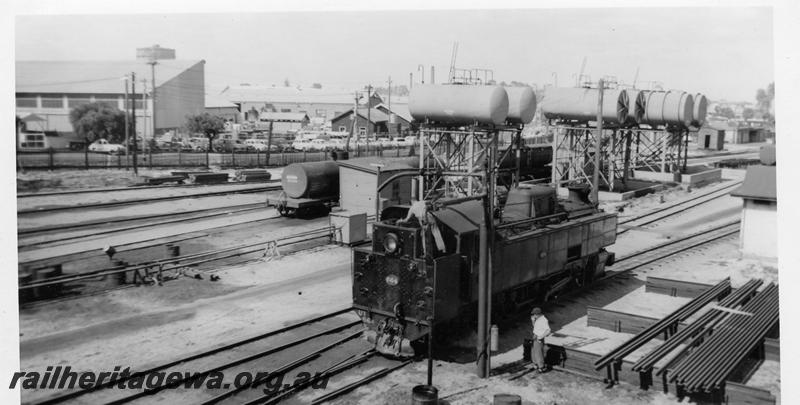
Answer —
292 347
674 208
129 188
663 250
25 236
106 204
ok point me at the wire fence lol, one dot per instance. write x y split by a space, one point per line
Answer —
52 159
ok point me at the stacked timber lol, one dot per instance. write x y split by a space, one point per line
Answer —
208 178
253 175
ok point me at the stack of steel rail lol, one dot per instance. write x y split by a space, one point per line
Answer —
702 324
666 325
706 368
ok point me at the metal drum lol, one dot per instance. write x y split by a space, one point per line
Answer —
636 106
580 104
311 180
668 108
521 104
459 104
699 111
507 399
424 394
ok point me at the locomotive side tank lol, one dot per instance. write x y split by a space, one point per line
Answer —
458 104
580 104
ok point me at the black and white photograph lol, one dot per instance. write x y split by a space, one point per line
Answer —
504 203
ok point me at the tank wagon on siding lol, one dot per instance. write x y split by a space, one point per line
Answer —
422 274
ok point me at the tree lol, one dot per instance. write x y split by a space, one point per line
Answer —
316 86
94 121
286 82
726 112
764 102
748 113
209 125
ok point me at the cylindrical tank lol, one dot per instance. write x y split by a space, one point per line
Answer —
311 180
424 394
458 104
580 104
699 110
668 108
521 104
636 106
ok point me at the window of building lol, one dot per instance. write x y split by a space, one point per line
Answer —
111 102
52 102
342 128
74 102
34 141
286 110
362 130
29 102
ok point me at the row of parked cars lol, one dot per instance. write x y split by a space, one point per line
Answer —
200 144
320 144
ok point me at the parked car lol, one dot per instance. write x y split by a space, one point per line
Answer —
198 144
301 145
103 146
385 142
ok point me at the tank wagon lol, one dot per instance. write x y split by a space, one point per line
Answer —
307 188
421 269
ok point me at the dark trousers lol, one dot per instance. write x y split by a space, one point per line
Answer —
538 353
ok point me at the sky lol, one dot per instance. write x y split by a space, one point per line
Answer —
723 52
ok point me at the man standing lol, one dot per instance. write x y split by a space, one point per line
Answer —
541 329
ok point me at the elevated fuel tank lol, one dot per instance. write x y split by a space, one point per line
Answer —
459 104
668 108
636 106
521 104
311 180
580 104
699 111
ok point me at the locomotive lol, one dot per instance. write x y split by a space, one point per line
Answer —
421 269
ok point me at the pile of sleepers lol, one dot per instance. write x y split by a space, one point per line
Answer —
253 175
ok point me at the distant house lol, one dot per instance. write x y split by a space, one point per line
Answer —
316 103
282 123
738 132
220 107
759 227
378 120
709 137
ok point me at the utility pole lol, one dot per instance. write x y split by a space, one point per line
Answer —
133 121
153 94
144 114
596 173
390 92
410 81
127 125
369 109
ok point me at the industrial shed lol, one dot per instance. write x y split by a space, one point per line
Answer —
359 179
282 123
709 137
51 89
759 227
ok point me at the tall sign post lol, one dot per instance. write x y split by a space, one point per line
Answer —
151 55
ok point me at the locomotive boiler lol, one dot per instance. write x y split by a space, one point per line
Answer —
422 270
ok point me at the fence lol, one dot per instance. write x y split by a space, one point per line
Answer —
52 159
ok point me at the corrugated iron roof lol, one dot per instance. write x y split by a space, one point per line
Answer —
287 95
213 101
369 164
282 116
375 115
93 77
760 183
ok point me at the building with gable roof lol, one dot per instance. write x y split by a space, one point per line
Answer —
759 226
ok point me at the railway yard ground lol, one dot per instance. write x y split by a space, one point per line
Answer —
256 292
